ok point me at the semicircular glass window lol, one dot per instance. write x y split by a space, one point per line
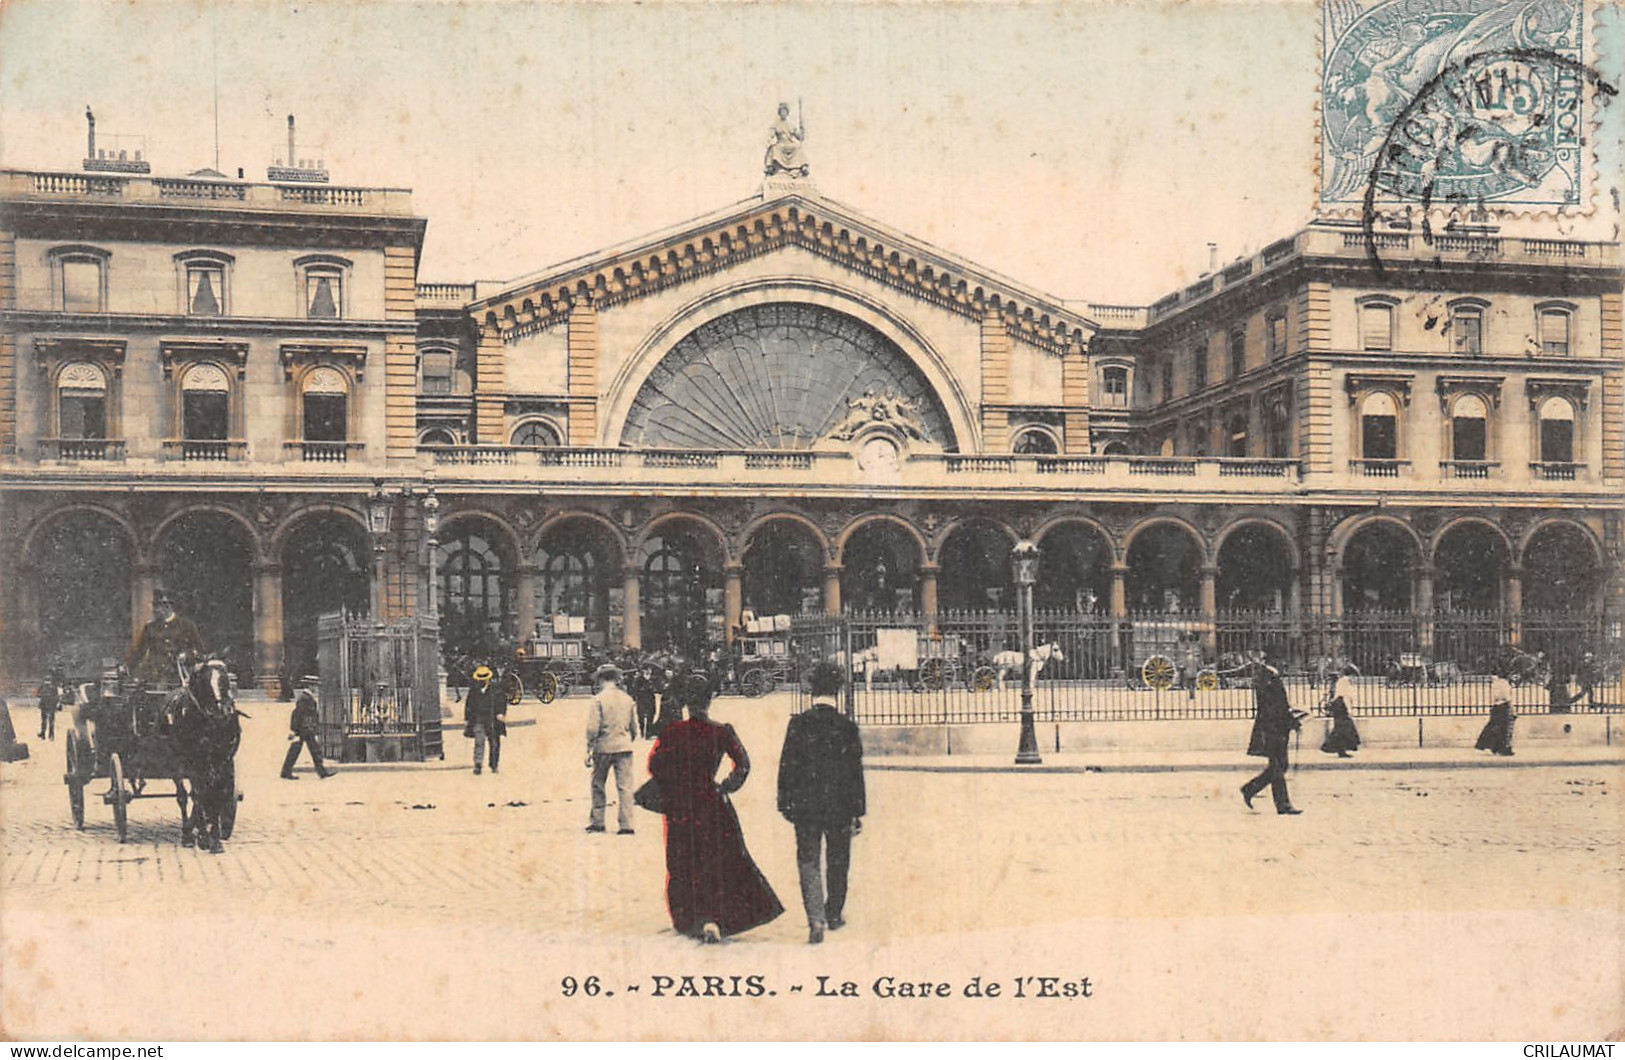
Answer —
779 376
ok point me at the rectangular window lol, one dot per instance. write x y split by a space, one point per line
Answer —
436 372
1115 384
1377 327
1557 441
203 415
325 417
1280 424
1379 438
1467 438
1554 333
1199 368
205 290
1277 337
81 286
82 414
1167 380
324 294
1467 331
1238 352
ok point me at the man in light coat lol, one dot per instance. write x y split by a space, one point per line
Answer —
612 725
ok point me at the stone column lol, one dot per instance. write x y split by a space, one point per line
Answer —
525 605
1209 603
832 588
268 627
1119 611
733 598
1294 616
1424 608
1514 605
632 620
143 585
928 596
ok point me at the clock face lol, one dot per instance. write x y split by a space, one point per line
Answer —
878 455
775 377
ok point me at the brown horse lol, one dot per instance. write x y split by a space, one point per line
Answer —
204 722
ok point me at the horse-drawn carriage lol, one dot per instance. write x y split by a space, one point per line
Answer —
765 658
131 736
1168 652
558 658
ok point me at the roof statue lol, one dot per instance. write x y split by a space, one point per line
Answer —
785 153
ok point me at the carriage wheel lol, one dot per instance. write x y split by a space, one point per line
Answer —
1158 673
1207 680
756 683
513 689
933 675
983 679
547 686
75 782
228 812
119 797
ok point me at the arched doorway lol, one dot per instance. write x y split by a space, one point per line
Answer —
1255 570
681 594
476 567
578 576
880 567
1074 570
206 560
1468 565
783 570
324 570
1164 563
1560 571
81 593
1378 569
976 574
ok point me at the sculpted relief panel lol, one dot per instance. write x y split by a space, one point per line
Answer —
778 377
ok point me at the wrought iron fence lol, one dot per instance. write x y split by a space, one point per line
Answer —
966 667
379 688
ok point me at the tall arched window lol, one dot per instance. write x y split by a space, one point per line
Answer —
436 365
1377 325
1278 430
1556 431
1554 321
1114 386
79 279
1379 428
471 578
325 405
1469 430
1236 436
81 396
205 404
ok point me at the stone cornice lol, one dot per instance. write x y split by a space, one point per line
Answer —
53 349
177 351
1488 386
294 353
117 220
1357 383
815 226
102 323
1575 390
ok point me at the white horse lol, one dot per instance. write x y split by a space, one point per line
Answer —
1006 661
864 662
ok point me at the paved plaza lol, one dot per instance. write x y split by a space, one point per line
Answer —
1458 899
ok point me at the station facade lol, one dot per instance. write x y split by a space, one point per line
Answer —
239 391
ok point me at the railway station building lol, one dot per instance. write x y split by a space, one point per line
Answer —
238 390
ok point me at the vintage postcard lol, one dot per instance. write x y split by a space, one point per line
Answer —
834 521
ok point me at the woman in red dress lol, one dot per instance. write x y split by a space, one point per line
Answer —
713 888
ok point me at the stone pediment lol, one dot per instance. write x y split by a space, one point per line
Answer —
756 227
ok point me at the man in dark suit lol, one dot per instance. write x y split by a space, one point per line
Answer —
151 658
1274 721
304 730
821 793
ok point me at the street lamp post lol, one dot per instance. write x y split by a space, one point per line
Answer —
431 530
1024 560
380 506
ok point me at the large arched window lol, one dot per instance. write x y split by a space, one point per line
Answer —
472 584
325 405
1379 427
205 404
1469 431
81 399
1556 431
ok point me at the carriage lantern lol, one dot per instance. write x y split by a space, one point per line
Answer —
431 513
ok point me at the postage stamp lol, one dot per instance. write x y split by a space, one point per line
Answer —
1462 101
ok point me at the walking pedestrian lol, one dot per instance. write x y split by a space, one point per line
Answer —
1342 738
1588 676
53 694
642 681
304 730
821 792
485 716
612 725
1496 736
713 887
1274 722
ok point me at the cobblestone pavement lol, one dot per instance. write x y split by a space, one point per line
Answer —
946 861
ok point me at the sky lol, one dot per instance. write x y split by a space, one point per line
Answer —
1090 150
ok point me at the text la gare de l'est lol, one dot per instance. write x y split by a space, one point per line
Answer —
886 987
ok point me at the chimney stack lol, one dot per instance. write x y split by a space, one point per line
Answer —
90 141
291 163
1213 257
